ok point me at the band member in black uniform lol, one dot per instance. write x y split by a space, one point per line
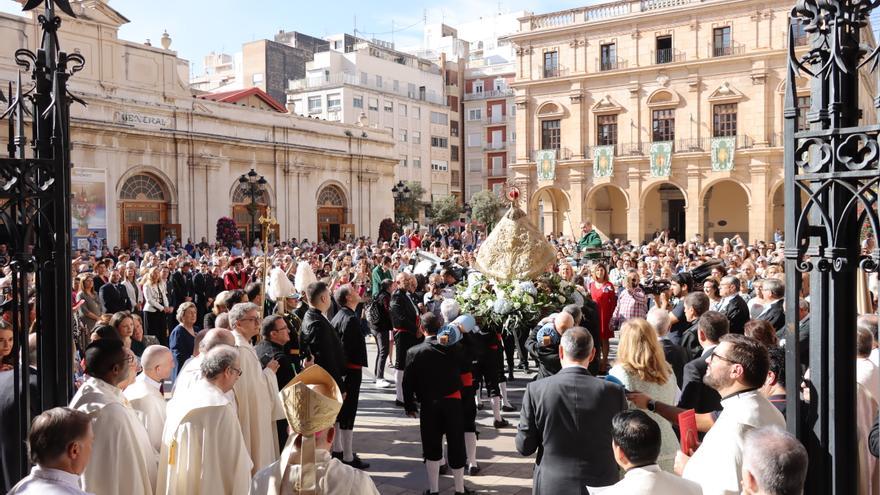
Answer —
405 323
433 378
320 344
348 326
294 310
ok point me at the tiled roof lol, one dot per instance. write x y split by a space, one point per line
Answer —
239 94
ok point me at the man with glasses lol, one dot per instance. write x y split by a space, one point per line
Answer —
203 450
732 304
123 461
275 336
737 368
256 393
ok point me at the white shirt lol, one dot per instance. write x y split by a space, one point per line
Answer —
46 481
651 480
868 376
717 463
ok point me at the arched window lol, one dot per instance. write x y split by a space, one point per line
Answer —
241 196
331 196
142 187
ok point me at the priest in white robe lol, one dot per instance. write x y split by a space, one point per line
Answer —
146 393
123 461
311 401
256 394
191 371
203 451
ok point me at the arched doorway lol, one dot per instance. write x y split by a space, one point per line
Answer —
246 214
607 207
725 211
550 211
332 215
663 208
143 204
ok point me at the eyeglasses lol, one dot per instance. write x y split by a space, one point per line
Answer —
249 318
237 370
714 355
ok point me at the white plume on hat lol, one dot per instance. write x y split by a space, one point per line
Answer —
304 276
278 286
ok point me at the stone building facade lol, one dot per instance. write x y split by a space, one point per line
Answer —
160 160
605 91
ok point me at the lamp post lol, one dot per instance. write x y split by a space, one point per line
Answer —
254 183
401 193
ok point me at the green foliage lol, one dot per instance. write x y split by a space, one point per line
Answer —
445 210
486 208
408 209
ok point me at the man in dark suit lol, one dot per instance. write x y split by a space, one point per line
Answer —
203 290
675 354
774 311
732 304
563 413
694 393
113 296
319 342
695 304
182 282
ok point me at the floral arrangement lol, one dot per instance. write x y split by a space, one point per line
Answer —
227 232
517 305
386 229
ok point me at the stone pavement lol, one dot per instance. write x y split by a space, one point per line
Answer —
390 442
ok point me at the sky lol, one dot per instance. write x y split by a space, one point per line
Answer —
198 27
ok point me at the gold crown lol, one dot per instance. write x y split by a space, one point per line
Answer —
312 401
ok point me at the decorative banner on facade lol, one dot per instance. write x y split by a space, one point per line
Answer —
661 159
723 149
546 162
88 207
603 161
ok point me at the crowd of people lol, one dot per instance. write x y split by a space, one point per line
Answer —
212 369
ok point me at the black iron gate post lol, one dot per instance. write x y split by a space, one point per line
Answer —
831 180
35 211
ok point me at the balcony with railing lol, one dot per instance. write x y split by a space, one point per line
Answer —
497 172
495 146
667 56
561 154
689 145
726 49
482 95
555 71
612 63
499 119
346 78
598 12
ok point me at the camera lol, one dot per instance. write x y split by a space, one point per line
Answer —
655 286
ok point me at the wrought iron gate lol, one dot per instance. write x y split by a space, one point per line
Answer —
833 165
34 210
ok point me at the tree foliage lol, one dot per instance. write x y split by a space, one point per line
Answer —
408 209
486 207
445 210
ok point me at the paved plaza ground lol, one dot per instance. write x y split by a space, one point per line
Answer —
389 441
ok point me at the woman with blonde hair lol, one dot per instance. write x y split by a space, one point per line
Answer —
183 337
641 366
156 305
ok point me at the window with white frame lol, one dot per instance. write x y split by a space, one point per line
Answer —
374 104
357 101
314 104
474 140
364 78
403 161
473 190
416 137
402 135
378 81
497 165
439 142
417 113
439 118
401 109
475 114
478 86
417 162
334 101
389 106
258 78
475 165
297 106
439 165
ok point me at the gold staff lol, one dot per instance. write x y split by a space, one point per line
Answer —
266 222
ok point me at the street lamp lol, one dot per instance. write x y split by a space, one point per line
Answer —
401 193
255 183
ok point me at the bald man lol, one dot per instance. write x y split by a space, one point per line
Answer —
190 373
146 394
547 354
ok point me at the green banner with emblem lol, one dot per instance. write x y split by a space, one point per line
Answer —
546 163
723 149
661 158
603 161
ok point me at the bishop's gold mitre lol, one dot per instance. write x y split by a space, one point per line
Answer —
515 250
312 401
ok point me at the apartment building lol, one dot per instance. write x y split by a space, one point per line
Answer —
645 115
369 83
